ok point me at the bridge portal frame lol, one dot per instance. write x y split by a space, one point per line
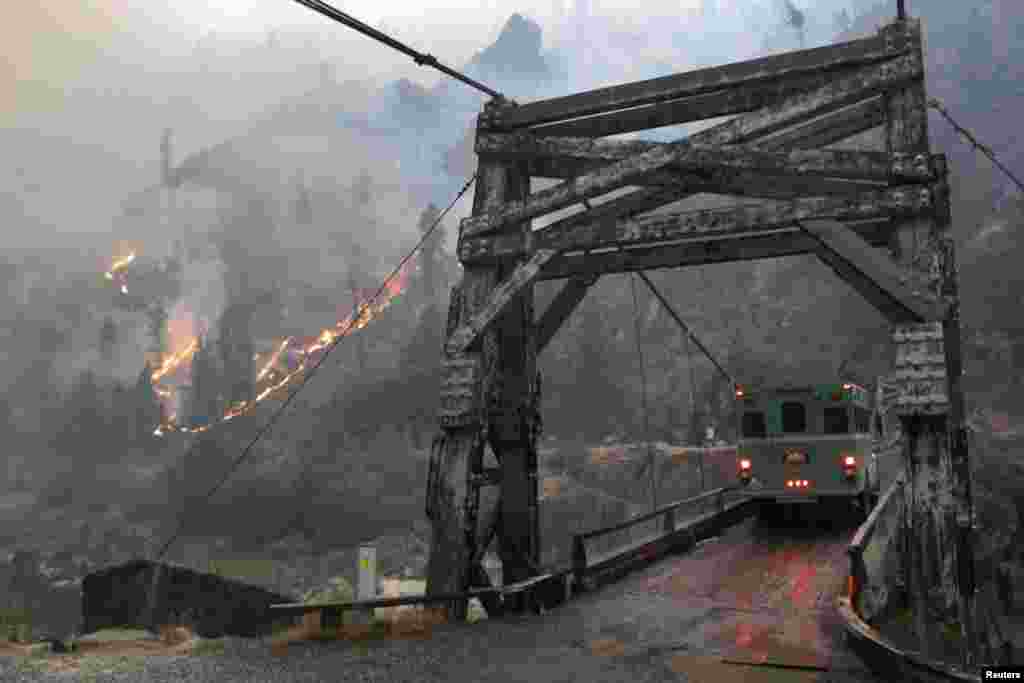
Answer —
839 204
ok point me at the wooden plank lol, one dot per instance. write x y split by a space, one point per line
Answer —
805 106
732 220
598 182
888 43
830 129
560 308
671 226
564 157
675 112
788 99
801 165
700 251
677 188
753 127
501 297
895 291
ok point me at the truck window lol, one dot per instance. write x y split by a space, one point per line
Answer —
837 420
794 418
754 425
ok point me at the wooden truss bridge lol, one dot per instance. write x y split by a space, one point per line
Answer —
879 218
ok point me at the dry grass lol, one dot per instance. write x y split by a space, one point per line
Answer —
409 623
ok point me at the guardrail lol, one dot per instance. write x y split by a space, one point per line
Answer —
876 555
656 534
547 590
875 567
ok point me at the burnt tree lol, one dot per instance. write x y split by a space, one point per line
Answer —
845 205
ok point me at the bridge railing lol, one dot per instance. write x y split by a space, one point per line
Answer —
876 567
876 556
646 537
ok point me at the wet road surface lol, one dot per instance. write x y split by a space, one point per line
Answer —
756 604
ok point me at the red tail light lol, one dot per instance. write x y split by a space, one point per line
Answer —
849 461
744 465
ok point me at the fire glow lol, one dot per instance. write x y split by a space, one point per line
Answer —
299 352
118 272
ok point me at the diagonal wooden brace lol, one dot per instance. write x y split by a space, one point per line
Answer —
594 184
500 298
897 293
558 311
561 157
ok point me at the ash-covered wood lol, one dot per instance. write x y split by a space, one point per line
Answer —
706 223
886 44
897 292
552 157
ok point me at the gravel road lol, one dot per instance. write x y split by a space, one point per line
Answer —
755 594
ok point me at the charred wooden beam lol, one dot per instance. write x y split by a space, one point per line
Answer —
804 106
559 310
810 95
500 298
773 244
566 157
895 291
599 182
890 42
678 225
675 112
700 251
780 188
801 164
830 129
754 126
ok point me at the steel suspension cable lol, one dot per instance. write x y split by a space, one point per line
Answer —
984 149
308 376
418 57
643 393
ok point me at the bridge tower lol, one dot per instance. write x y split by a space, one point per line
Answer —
847 205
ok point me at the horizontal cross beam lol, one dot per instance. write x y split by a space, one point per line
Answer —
895 291
569 157
825 163
677 225
700 251
891 41
817 92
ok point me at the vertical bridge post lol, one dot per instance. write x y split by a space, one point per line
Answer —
489 392
930 401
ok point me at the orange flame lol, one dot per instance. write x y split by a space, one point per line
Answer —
367 312
172 362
